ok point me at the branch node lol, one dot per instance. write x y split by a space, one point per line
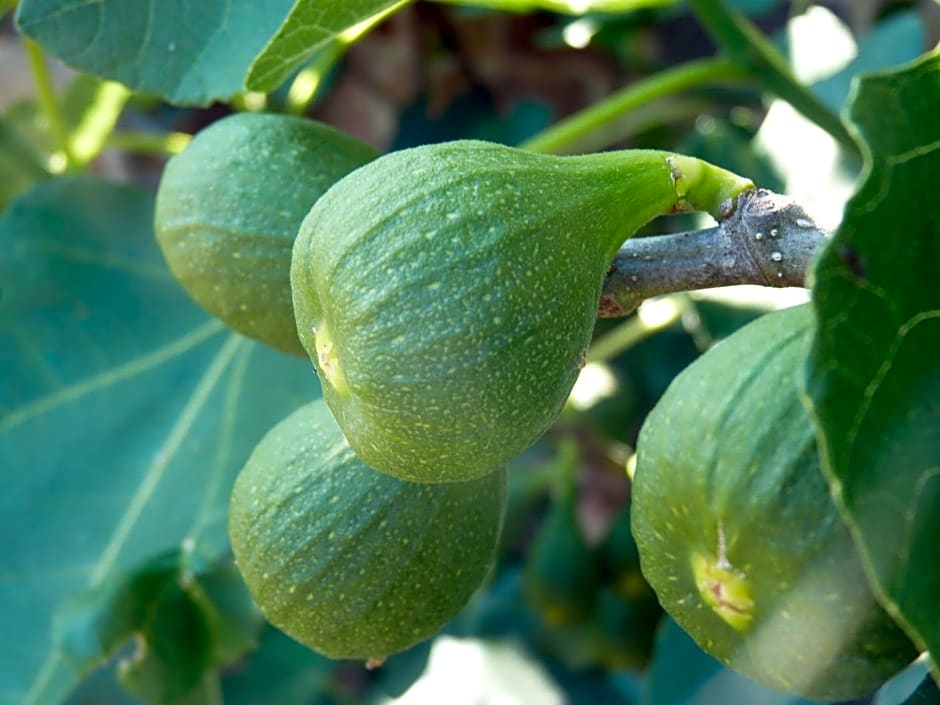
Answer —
763 238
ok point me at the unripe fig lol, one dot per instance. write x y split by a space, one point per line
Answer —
447 293
619 560
228 209
351 562
623 629
627 611
560 578
738 534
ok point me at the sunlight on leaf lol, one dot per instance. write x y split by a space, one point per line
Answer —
310 25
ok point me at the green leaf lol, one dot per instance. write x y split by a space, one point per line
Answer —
310 24
873 376
172 650
187 51
233 619
183 625
125 413
92 625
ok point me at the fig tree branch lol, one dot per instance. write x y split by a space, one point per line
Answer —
768 239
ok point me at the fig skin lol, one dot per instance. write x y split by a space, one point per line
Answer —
351 562
738 534
447 294
228 209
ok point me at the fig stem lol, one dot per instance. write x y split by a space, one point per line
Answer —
568 132
306 85
767 239
46 96
565 135
149 143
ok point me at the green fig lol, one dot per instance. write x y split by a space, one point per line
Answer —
228 209
447 293
738 533
623 629
619 560
560 579
349 561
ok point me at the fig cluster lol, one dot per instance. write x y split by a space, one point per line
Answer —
446 296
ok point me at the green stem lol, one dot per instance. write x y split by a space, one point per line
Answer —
249 102
306 85
45 92
150 144
659 85
748 47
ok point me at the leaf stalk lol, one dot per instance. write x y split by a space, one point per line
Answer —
46 94
667 82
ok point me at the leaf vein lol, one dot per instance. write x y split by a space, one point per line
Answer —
165 455
113 376
882 372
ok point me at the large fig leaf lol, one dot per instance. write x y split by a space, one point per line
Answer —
124 414
873 377
310 24
187 51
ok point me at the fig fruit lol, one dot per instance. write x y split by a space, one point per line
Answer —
349 561
228 209
560 578
447 293
619 560
738 533
623 629
626 611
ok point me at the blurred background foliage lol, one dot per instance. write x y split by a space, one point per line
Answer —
566 617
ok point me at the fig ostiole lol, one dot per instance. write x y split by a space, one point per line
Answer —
228 209
352 562
737 531
446 294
